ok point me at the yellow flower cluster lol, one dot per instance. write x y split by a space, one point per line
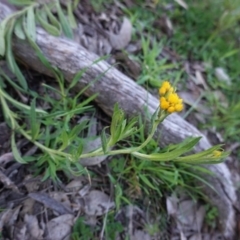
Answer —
169 100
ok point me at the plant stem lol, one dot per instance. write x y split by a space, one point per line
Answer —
99 152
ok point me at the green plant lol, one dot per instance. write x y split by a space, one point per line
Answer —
81 231
138 164
152 66
211 215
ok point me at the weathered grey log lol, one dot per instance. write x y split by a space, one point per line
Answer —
112 87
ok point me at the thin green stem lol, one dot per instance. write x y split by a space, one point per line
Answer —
99 152
18 104
42 147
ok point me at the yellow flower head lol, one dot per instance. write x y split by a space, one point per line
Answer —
162 90
179 107
164 105
171 109
166 84
169 99
173 98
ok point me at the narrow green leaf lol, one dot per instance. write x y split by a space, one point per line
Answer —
46 175
2 39
20 2
77 78
35 126
104 141
18 30
64 139
31 25
87 101
9 54
65 25
39 53
79 150
10 58
48 27
75 3
117 134
47 135
15 151
146 181
71 17
114 121
172 155
12 83
123 126
52 18
20 77
78 129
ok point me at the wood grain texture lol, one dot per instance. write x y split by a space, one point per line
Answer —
113 86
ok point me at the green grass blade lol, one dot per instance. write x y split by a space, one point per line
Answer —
48 27
15 151
35 126
104 141
65 25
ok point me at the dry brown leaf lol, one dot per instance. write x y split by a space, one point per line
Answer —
97 203
196 236
60 227
20 232
50 203
171 205
199 79
221 75
32 226
182 3
31 184
139 234
8 183
121 40
83 192
221 98
27 207
61 197
6 158
75 185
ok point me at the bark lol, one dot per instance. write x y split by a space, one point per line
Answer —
113 86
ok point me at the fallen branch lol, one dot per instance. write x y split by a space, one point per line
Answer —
114 87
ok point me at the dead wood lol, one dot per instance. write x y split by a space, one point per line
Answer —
113 86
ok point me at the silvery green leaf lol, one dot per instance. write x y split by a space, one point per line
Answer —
9 54
2 38
71 18
20 2
31 25
48 27
53 20
18 30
